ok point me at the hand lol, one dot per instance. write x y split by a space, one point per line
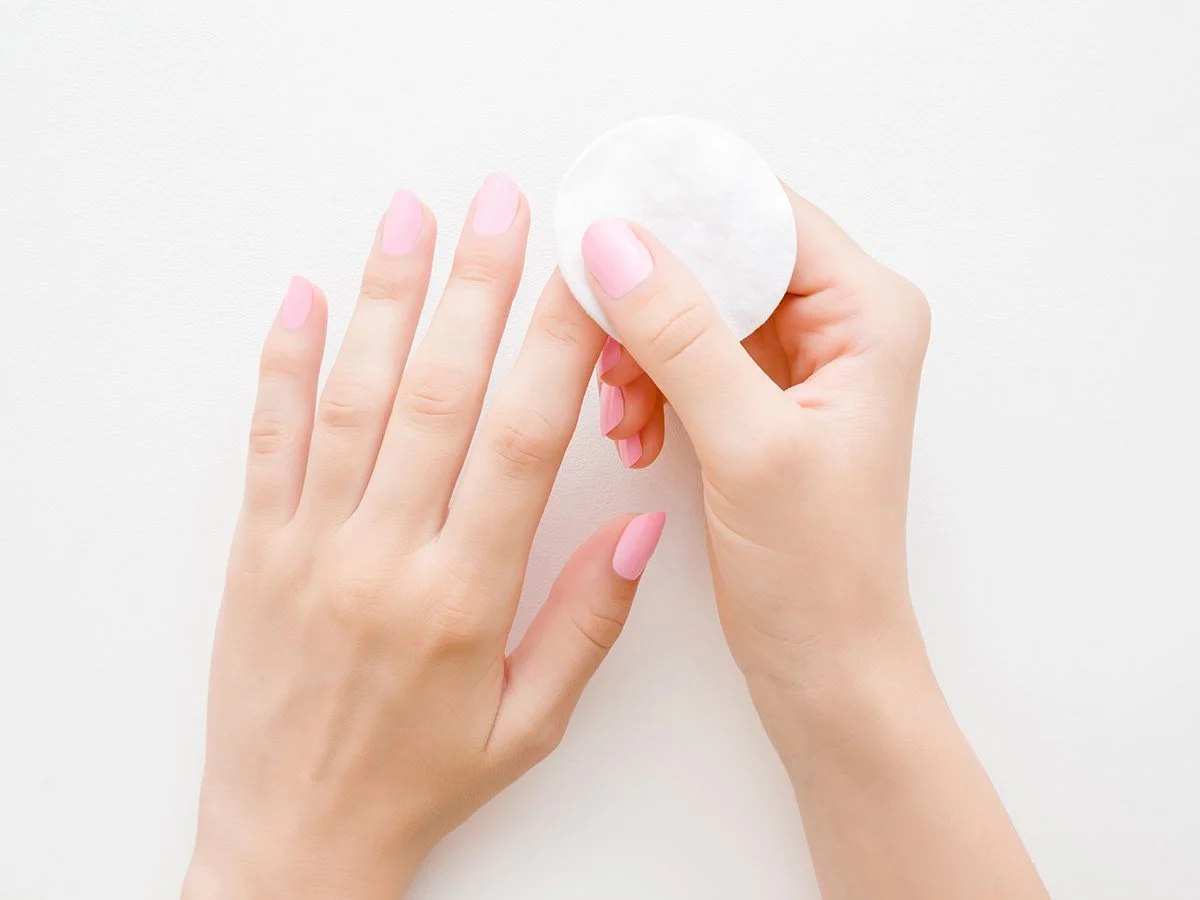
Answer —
804 445
361 702
804 441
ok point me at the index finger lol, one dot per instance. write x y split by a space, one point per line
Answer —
504 488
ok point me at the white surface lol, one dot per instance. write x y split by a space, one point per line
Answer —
165 167
701 190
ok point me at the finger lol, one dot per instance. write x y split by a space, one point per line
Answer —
840 298
639 450
625 411
825 254
358 395
508 479
571 634
440 395
616 366
283 412
667 322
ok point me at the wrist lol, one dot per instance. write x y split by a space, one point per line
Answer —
295 868
209 879
857 706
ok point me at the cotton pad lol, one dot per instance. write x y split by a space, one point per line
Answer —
702 191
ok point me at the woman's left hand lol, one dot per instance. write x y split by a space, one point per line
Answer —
361 701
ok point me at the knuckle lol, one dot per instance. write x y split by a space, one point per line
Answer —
434 391
270 433
912 310
384 282
920 311
601 627
679 332
349 402
455 624
560 327
523 439
479 267
544 737
449 618
913 301
280 364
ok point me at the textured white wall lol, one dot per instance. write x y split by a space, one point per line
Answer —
164 168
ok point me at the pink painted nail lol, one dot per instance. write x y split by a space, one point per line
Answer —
297 303
496 205
402 225
629 450
612 407
615 257
636 545
609 356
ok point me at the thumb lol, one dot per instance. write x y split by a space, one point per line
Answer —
668 323
571 635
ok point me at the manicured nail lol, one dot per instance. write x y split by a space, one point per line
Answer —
629 450
615 257
609 356
496 205
636 545
402 225
297 303
612 407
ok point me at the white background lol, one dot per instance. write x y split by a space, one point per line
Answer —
164 167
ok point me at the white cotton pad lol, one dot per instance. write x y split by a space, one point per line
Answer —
702 191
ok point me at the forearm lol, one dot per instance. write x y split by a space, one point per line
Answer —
894 801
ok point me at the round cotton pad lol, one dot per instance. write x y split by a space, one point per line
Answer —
702 191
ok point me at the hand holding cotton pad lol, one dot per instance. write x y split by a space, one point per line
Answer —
702 191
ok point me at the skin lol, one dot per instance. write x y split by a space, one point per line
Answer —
804 437
361 702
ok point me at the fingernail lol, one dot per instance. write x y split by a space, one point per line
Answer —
612 407
402 225
636 545
297 303
496 205
629 450
615 257
609 356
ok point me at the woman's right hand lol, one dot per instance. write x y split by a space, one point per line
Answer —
804 442
804 445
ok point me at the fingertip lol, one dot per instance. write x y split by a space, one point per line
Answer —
629 451
610 355
624 411
617 365
499 207
637 544
642 448
616 259
303 304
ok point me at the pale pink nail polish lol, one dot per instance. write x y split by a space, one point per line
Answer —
402 225
636 545
612 407
609 356
496 205
297 303
629 450
615 257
